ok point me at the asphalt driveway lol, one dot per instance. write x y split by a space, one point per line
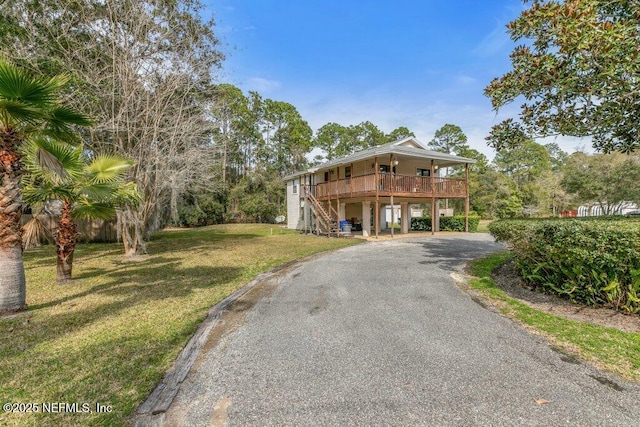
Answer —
379 334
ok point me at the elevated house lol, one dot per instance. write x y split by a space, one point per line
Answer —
357 189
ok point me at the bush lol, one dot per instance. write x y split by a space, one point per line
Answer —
510 230
209 211
456 223
592 262
447 223
421 223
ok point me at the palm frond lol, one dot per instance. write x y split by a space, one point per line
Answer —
113 194
127 194
34 233
86 209
53 160
98 191
41 193
61 121
108 168
17 84
19 112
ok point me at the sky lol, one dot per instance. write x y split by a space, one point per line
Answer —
414 63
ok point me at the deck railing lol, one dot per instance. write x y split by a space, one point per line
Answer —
401 185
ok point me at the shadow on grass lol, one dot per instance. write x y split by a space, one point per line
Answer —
42 256
134 373
123 284
124 288
45 256
206 234
88 273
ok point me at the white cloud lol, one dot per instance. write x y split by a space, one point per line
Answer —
498 40
262 85
495 42
465 80
422 116
570 144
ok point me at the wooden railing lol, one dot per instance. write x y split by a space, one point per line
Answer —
400 185
324 220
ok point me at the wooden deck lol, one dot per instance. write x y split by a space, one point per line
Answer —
390 184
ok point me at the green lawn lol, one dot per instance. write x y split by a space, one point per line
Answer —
483 225
607 348
109 336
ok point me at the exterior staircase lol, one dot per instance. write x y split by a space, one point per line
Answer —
325 222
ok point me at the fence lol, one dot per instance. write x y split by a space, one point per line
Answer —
90 231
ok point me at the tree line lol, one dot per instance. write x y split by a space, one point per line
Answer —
531 179
144 75
259 141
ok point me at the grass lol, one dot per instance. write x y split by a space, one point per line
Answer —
483 225
109 336
608 348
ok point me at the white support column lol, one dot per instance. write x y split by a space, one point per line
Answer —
307 215
393 216
383 217
342 209
405 217
366 219
436 220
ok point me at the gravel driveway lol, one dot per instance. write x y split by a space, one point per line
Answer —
379 334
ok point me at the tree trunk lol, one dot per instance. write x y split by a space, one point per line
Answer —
173 204
66 239
12 279
132 232
63 269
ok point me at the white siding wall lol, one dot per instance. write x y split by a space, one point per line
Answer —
293 204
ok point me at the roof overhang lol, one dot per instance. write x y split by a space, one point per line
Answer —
406 148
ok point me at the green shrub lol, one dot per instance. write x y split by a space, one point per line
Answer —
447 223
510 230
209 211
592 262
456 223
421 223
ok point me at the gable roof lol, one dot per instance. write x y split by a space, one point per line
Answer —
407 147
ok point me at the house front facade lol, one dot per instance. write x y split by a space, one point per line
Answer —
357 190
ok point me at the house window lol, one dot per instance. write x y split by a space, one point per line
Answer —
386 169
326 176
347 172
423 172
295 186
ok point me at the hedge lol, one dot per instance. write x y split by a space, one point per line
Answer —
592 262
447 223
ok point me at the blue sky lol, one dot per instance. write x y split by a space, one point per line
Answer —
419 64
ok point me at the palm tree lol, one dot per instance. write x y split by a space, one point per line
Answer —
88 187
28 106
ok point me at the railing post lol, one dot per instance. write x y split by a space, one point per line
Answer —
466 197
393 187
377 184
350 180
433 199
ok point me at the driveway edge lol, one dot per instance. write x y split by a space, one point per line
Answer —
151 412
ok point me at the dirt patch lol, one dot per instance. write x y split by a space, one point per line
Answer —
234 316
508 280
